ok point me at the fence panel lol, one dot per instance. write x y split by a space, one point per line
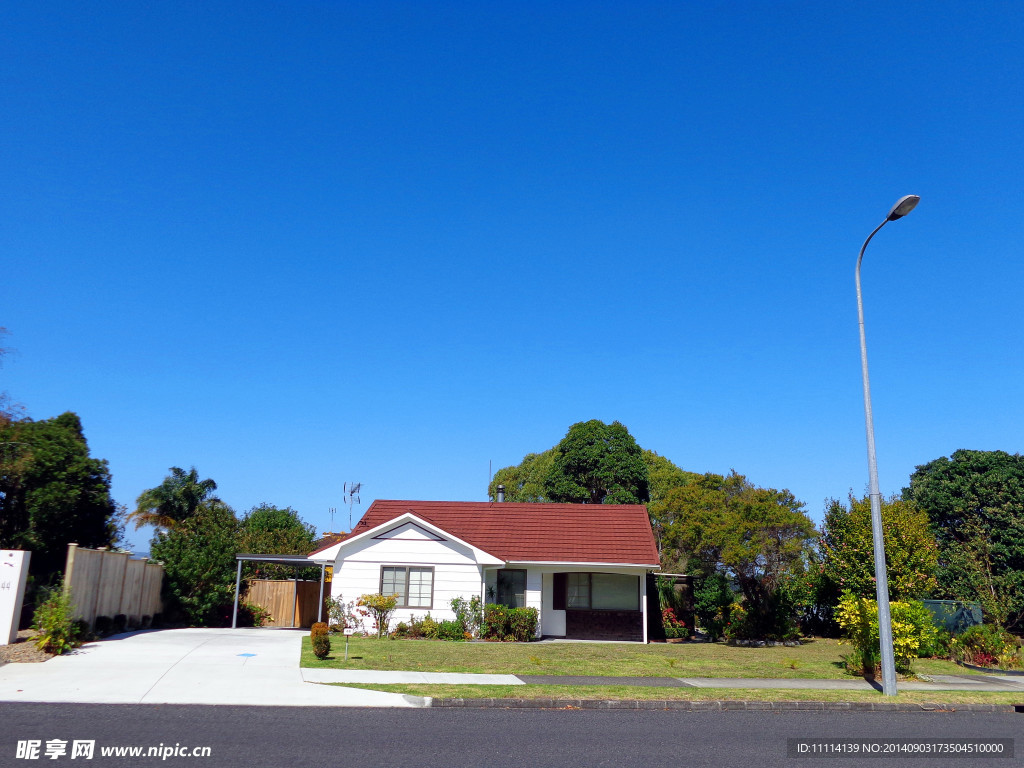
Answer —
283 597
106 583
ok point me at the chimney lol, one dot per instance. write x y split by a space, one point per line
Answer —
501 493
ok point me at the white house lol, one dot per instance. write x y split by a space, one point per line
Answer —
582 566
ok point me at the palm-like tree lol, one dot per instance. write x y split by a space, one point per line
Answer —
173 501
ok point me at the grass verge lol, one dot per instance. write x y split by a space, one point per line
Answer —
820 659
622 692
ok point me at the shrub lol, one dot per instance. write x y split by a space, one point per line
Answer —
985 645
912 628
321 640
321 646
450 630
252 615
120 623
938 647
426 627
379 608
54 622
468 613
674 627
712 599
102 625
508 624
343 615
401 630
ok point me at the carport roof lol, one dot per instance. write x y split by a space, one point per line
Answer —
300 561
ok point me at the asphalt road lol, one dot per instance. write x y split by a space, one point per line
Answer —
453 738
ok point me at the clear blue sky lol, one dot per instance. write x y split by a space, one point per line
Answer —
297 244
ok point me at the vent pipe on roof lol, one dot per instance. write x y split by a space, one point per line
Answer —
501 493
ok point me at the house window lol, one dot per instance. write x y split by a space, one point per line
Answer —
602 591
413 585
512 588
578 585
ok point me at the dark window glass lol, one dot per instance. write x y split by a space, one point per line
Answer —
512 588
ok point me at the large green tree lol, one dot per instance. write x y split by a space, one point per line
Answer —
198 555
524 482
172 502
847 549
975 502
598 463
52 492
755 536
269 530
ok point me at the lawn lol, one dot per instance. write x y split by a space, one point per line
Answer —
820 658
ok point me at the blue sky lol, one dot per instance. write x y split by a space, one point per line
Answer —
298 244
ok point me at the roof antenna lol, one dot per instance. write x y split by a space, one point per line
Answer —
351 491
332 511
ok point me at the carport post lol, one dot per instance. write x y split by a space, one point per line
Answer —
295 593
238 584
320 605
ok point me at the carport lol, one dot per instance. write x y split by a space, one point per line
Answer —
295 561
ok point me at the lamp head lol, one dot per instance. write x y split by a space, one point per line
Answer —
903 206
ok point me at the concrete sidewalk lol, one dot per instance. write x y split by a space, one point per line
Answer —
932 683
186 666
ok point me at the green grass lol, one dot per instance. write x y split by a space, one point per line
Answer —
820 658
595 692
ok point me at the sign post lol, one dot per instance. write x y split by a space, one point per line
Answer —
349 631
13 577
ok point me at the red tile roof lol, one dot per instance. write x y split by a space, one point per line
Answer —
574 533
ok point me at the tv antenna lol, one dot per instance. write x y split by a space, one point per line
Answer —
332 510
351 491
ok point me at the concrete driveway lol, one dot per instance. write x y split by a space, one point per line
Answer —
186 666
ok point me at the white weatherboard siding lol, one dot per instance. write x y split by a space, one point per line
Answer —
533 595
456 572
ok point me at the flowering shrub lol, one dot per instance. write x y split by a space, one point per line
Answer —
674 627
344 615
986 646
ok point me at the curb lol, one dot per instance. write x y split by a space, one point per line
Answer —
722 706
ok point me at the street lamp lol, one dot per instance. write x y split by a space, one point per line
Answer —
903 206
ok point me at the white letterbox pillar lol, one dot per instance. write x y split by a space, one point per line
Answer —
13 577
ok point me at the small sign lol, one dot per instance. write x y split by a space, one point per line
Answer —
350 631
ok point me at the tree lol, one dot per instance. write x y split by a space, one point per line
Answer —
755 536
974 495
847 548
52 492
173 501
597 463
198 555
664 476
269 530
524 482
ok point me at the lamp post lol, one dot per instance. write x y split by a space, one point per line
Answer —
903 206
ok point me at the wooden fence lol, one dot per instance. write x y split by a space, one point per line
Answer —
109 584
285 599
